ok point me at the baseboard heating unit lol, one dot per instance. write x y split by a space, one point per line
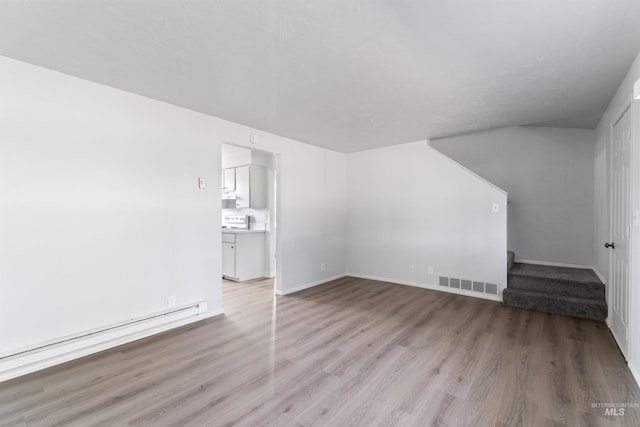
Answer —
23 361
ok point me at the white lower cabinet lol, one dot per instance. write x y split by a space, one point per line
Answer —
242 255
228 259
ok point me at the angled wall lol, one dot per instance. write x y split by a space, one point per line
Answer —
548 173
411 208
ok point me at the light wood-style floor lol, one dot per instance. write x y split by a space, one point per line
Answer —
349 353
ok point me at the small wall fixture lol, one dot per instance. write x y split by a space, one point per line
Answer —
253 138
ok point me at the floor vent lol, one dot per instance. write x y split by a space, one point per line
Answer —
478 287
491 288
468 285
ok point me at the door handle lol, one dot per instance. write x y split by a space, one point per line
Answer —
611 245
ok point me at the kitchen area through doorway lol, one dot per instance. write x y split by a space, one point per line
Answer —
248 223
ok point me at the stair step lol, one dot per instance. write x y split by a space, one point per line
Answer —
561 281
584 308
511 257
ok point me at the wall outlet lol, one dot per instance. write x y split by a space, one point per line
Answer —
323 266
171 301
412 268
429 270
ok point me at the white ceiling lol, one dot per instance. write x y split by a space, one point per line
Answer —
343 74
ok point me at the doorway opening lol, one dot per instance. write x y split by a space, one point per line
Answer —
249 197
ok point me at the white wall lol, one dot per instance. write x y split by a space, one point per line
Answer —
101 219
548 173
601 206
410 205
100 216
617 105
312 210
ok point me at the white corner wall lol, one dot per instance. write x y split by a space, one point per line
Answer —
411 206
548 173
100 216
312 209
622 98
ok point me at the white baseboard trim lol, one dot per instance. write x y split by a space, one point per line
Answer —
600 276
52 353
309 285
428 286
635 372
615 338
554 264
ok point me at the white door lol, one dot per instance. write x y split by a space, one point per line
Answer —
620 230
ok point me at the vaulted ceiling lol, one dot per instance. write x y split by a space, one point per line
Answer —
343 74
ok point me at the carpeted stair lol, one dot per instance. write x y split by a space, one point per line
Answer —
569 291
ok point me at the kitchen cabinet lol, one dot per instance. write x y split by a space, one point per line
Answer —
229 179
251 186
228 257
243 255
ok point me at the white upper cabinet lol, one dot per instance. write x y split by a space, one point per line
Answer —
229 179
250 186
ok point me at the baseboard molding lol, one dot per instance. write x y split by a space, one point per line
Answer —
49 354
615 338
554 264
427 286
600 276
309 285
635 372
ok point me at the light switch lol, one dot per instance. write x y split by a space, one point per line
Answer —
496 207
202 183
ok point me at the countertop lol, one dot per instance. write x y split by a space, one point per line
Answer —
240 231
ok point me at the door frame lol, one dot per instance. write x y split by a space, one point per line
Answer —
628 105
275 218
634 243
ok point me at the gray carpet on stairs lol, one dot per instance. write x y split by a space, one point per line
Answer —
568 291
